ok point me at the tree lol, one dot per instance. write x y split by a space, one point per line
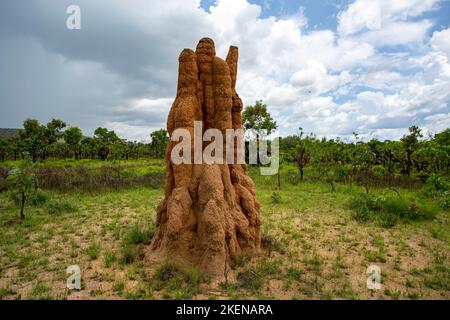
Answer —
103 141
3 149
160 138
301 151
32 138
443 140
54 128
410 143
73 136
258 120
20 182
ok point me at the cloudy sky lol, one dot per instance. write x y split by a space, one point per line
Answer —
332 67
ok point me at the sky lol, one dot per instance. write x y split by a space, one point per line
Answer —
374 67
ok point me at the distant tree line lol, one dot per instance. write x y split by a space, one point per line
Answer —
338 160
55 140
334 159
410 155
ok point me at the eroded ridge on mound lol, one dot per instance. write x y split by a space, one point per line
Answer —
209 212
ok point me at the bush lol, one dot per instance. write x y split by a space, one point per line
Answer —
137 235
60 206
131 253
444 203
166 272
387 209
276 197
293 177
250 279
38 198
438 183
341 173
379 169
92 251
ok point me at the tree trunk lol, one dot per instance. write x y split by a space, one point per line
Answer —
209 212
22 215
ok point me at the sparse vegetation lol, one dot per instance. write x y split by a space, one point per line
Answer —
316 243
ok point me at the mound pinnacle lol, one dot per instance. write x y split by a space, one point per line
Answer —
209 212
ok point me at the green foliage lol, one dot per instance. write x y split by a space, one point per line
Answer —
272 243
250 279
158 145
20 182
73 136
258 120
276 197
55 206
387 209
131 253
38 197
293 177
444 202
138 235
93 251
178 283
109 257
166 272
436 183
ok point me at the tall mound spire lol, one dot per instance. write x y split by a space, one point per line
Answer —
209 212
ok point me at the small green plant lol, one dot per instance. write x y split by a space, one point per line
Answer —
275 197
271 243
437 183
166 272
38 197
250 279
131 253
393 293
138 235
60 206
109 257
92 251
119 286
40 292
444 202
20 182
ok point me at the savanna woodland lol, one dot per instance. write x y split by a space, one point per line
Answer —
334 208
348 198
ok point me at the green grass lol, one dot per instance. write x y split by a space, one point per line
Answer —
60 206
312 246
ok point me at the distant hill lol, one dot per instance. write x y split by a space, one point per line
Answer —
8 133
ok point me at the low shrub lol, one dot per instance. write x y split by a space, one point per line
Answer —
131 253
387 209
250 279
93 251
275 197
293 177
60 206
444 202
94 179
38 197
138 235
437 183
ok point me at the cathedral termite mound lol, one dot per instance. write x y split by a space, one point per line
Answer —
209 213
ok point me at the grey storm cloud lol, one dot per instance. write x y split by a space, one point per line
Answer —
120 69
83 75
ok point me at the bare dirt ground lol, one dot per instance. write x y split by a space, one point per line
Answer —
313 249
